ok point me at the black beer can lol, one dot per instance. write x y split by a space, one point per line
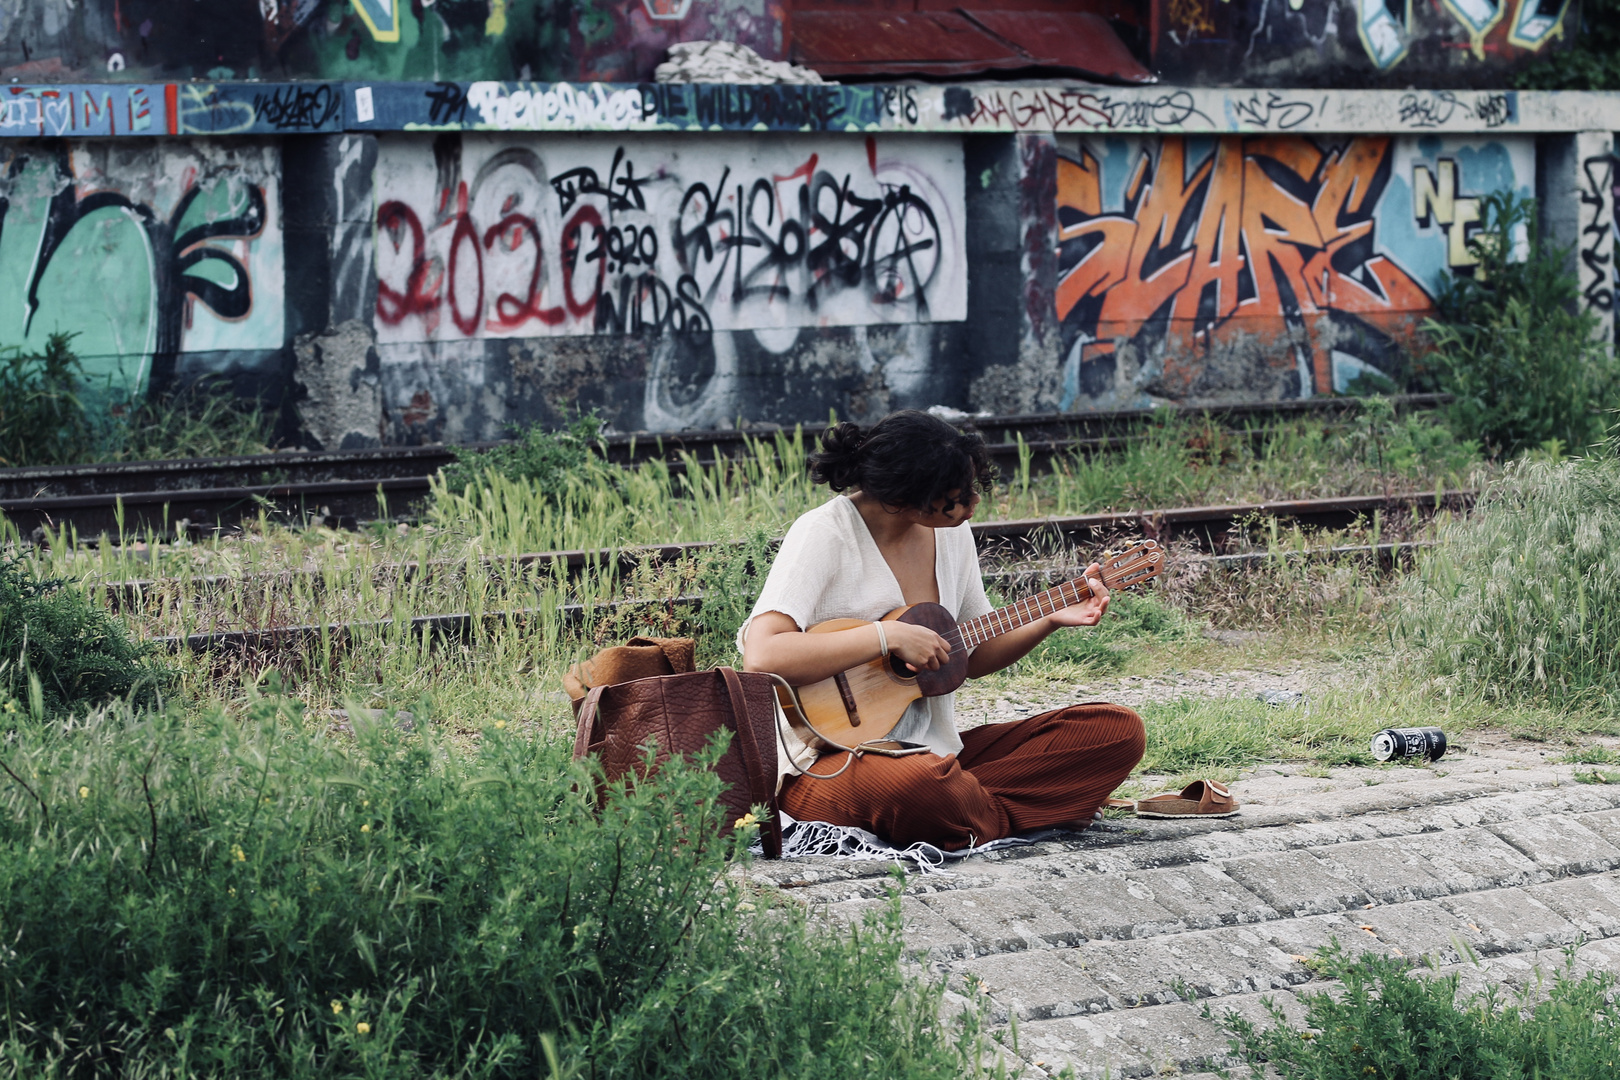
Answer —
1409 742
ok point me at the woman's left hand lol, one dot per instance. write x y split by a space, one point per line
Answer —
1088 612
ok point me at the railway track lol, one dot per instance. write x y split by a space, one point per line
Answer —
342 487
1210 529
459 626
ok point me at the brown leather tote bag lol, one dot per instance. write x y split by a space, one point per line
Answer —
682 713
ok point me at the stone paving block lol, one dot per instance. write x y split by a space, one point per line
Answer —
1297 940
1471 859
1003 919
1511 920
1160 1040
1295 883
1387 870
1108 905
1591 903
1032 985
1203 896
1209 963
1560 845
1081 1043
1252 1007
1423 929
926 934
1606 823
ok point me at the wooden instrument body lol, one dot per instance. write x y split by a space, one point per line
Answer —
865 703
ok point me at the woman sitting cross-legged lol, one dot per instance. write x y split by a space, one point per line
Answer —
899 535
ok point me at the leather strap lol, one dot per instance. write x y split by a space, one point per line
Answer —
762 782
586 734
745 731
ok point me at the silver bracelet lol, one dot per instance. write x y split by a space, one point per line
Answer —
883 640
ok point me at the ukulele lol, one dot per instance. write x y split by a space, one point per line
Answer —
856 709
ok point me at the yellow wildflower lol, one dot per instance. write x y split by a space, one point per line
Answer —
363 1028
745 821
499 724
337 1006
236 850
365 828
84 793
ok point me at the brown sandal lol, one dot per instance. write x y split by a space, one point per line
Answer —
1201 798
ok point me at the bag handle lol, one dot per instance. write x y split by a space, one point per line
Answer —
745 732
586 733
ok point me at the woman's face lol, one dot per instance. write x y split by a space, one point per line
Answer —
956 507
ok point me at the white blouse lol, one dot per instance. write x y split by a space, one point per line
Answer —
829 567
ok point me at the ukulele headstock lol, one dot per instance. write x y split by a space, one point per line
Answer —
1140 562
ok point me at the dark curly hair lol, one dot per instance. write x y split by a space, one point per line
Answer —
907 459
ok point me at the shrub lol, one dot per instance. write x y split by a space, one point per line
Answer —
545 458
204 418
1387 1023
239 897
1522 599
60 653
1514 348
42 421
1591 63
48 418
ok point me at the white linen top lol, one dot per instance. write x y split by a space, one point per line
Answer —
829 567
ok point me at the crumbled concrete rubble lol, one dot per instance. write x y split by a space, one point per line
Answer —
727 62
1491 862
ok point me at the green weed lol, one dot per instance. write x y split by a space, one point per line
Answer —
544 458
1514 347
42 421
1388 1023
236 896
204 418
61 654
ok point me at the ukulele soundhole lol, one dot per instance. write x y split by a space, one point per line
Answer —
953 672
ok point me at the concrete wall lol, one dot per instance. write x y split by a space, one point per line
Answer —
649 252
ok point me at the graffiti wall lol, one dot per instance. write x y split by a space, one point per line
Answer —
1259 267
144 250
67 40
1396 43
490 236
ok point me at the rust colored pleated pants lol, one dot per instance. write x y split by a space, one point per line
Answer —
1009 778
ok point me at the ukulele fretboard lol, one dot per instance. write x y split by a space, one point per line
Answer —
1011 617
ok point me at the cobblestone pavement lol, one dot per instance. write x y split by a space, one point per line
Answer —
1085 938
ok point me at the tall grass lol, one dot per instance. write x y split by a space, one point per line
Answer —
50 416
234 896
1522 600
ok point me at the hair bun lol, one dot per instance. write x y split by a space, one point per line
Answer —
838 462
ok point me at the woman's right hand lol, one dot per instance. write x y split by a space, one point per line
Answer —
918 646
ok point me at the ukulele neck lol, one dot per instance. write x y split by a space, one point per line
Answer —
1011 617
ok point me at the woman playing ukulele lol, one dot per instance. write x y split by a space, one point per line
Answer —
899 535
